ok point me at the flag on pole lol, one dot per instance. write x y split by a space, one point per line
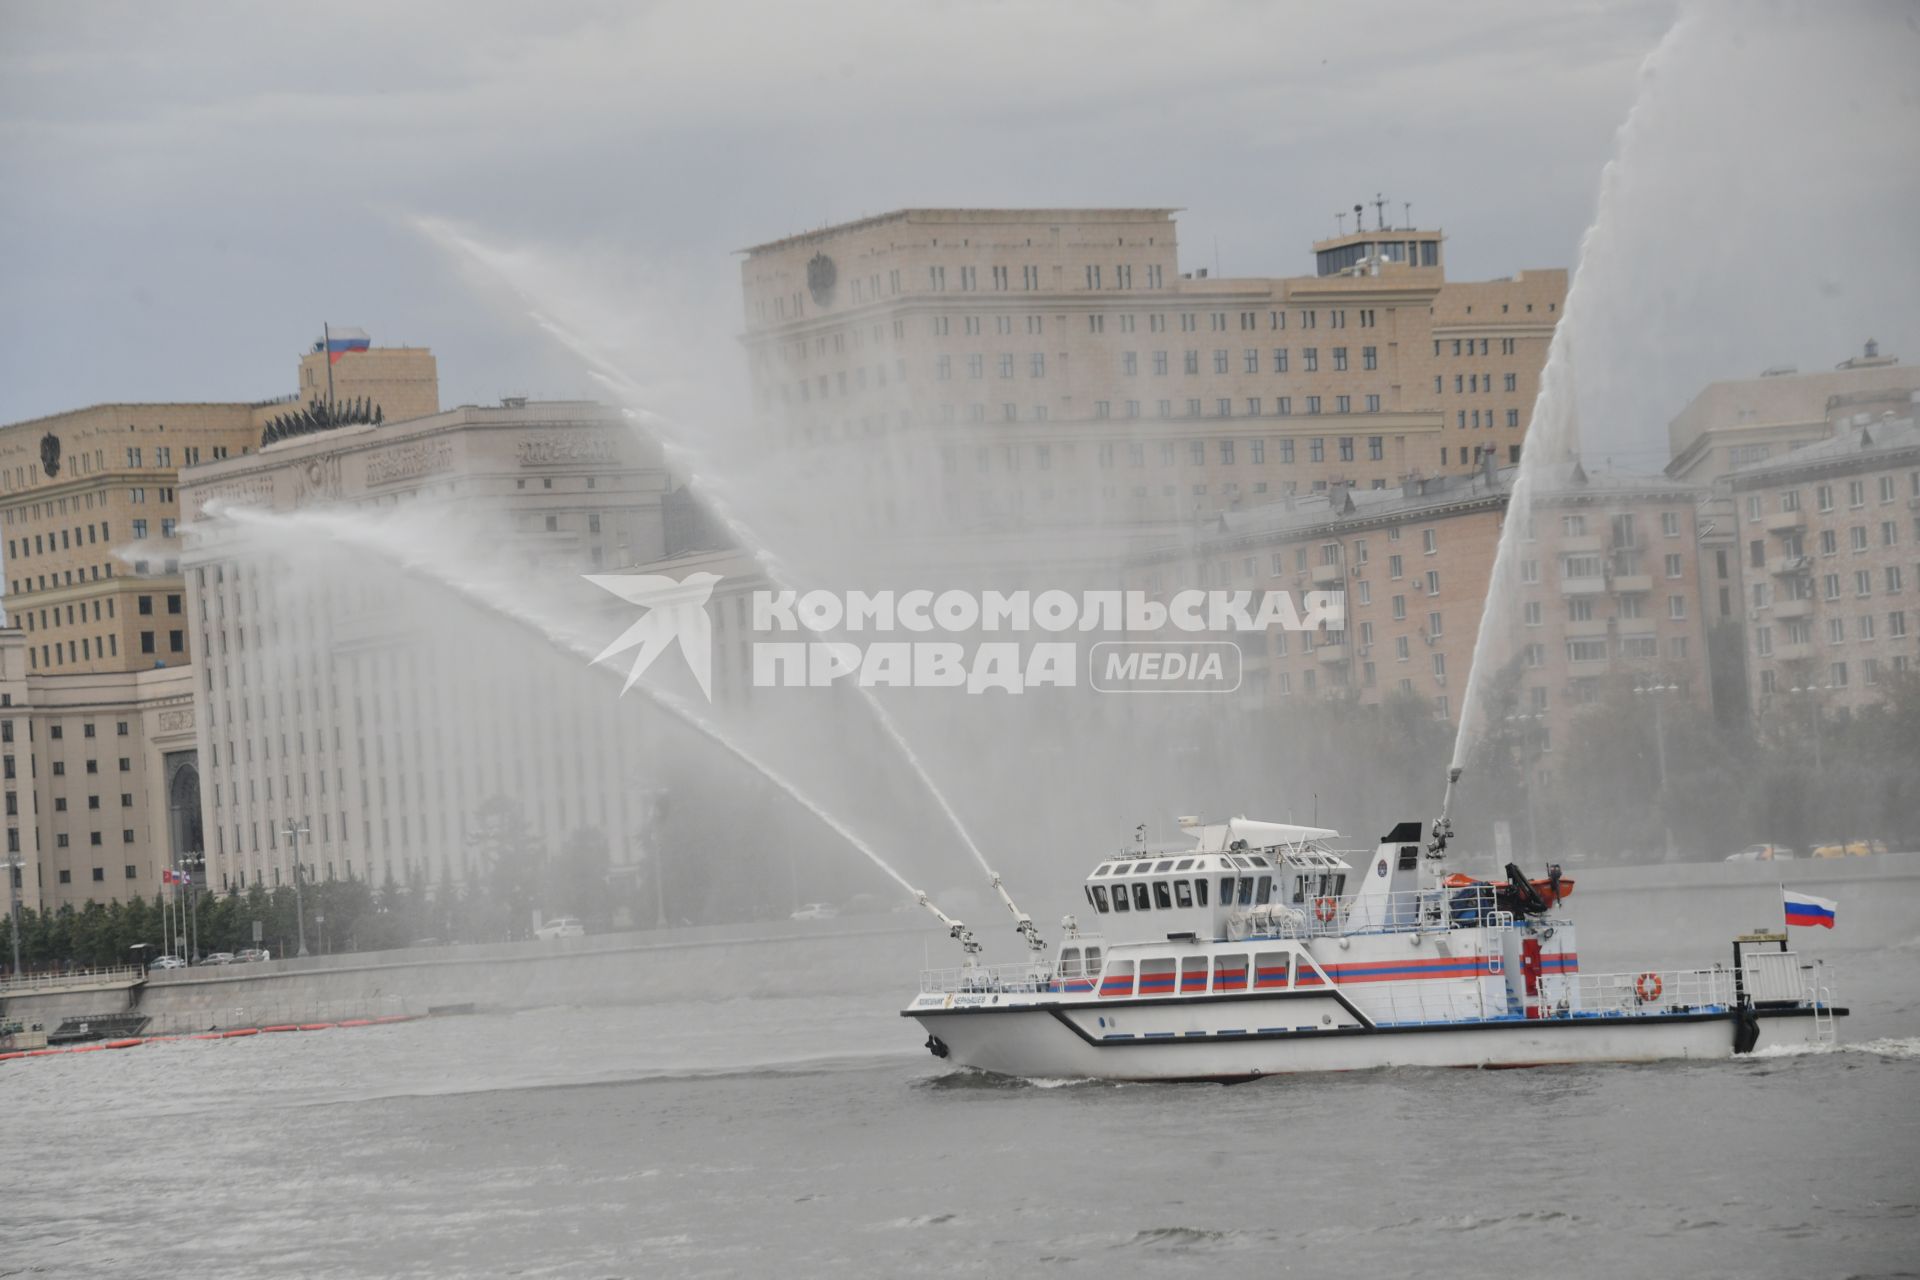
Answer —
1805 909
340 341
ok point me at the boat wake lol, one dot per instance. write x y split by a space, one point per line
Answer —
1900 1047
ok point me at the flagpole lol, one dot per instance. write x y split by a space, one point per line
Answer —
326 349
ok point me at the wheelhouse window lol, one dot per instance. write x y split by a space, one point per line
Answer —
1162 895
1183 893
1264 891
1120 898
1226 891
1100 898
1246 891
1200 891
1140 896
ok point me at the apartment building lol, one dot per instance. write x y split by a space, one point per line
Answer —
1830 565
1055 366
1608 585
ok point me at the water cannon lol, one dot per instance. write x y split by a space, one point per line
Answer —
1443 825
1024 926
956 930
1022 922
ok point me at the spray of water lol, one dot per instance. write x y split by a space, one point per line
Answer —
510 604
673 437
1552 434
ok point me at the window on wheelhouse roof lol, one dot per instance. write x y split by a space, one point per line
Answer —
1165 866
1184 864
1140 902
1162 895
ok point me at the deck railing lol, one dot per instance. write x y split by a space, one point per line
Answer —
1409 911
1019 977
1620 995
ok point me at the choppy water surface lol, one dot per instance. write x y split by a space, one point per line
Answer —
812 1136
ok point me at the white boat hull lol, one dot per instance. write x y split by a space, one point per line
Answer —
1050 1042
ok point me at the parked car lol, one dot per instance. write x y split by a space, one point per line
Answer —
1761 853
219 957
1851 849
253 955
167 962
816 911
560 927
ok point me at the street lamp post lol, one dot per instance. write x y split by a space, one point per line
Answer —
1529 723
1658 691
1812 693
190 864
293 833
16 868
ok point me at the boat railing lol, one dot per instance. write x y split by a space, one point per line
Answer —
1621 995
1020 977
1409 911
1592 995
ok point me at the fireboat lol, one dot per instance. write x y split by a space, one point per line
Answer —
1264 949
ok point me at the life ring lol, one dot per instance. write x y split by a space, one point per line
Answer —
1648 987
1324 910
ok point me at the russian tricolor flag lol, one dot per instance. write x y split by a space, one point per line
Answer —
1805 909
340 341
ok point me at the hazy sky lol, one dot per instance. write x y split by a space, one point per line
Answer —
186 192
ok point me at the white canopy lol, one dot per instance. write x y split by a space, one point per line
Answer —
1258 835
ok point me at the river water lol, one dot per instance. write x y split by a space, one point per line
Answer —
805 1136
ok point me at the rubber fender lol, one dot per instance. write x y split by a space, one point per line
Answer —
1746 1029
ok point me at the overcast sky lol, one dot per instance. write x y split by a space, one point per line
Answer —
186 192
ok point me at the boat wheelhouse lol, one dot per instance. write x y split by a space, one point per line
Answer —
1264 948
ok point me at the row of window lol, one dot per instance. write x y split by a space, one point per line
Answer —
1886 489
1800 631
1837 676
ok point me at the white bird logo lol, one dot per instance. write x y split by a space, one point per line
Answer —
675 611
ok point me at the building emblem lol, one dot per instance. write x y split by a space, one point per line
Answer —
822 275
50 453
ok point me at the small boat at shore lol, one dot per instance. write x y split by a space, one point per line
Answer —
1265 949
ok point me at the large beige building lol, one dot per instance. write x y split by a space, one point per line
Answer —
102 785
1830 559
1055 366
377 713
1743 422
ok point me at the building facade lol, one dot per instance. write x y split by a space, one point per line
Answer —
1054 366
1743 422
1830 564
102 787
1608 583
376 714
